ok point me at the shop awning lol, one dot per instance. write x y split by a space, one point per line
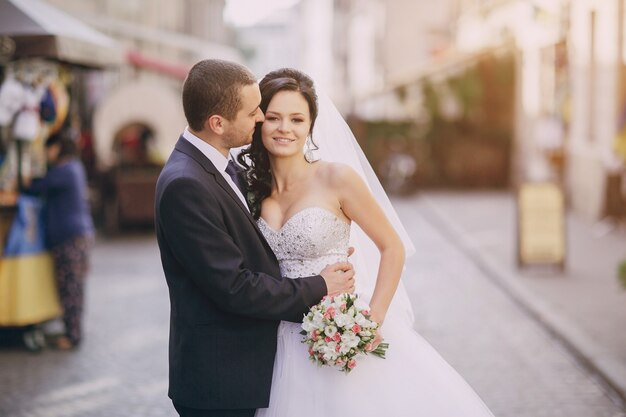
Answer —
41 30
172 69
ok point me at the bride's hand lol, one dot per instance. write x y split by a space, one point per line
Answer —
339 278
377 340
379 337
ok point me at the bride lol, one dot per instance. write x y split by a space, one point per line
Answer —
314 195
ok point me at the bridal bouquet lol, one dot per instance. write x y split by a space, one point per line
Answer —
338 329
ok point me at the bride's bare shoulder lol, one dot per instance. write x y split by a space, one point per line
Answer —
337 174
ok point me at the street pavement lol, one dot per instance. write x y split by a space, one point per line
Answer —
584 305
121 368
510 359
506 355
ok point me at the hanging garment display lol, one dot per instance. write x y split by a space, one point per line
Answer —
27 123
12 97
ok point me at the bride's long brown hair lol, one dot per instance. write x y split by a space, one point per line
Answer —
255 158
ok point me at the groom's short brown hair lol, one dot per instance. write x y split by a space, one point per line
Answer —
212 87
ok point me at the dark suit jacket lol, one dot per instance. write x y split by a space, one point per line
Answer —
226 292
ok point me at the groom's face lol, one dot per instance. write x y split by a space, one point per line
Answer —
239 131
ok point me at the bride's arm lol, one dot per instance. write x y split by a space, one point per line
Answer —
358 203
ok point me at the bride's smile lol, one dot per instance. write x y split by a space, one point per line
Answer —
283 140
287 124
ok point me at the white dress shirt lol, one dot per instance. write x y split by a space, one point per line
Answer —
216 157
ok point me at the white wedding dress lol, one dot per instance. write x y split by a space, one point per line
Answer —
412 381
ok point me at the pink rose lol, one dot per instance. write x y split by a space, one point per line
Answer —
337 337
356 328
351 364
327 339
314 334
339 362
365 312
330 313
311 351
342 307
338 347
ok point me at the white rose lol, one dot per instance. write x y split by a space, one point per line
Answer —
350 340
362 321
330 331
342 320
318 320
329 357
327 302
329 351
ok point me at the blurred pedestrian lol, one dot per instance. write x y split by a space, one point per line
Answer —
69 229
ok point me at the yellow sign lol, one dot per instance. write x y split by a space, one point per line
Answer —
541 224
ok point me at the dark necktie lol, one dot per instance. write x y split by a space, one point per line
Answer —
235 174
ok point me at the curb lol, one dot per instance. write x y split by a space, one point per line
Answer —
607 369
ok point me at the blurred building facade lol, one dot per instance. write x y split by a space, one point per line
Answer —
570 62
273 43
136 113
375 58
597 59
162 40
567 97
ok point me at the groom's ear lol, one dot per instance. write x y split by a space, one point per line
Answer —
215 123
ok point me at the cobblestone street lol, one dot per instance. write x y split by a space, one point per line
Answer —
121 369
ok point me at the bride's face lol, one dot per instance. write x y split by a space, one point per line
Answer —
287 124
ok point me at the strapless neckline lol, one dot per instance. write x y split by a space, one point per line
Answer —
299 213
308 241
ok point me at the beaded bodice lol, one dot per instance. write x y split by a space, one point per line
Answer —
308 241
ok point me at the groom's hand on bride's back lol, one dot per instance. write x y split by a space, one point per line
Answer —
339 278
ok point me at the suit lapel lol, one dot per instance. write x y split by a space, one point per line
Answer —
184 146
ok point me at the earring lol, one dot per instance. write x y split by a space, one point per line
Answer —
309 151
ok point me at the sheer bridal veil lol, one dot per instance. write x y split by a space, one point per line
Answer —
337 143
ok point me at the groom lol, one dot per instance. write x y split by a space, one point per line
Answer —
226 293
